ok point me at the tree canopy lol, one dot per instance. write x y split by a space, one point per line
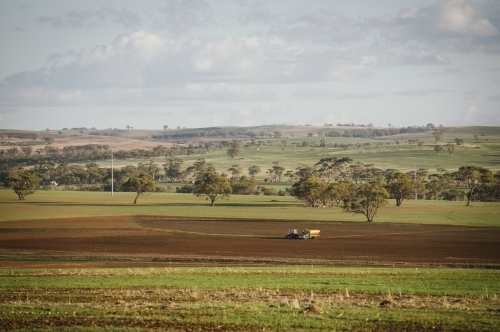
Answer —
173 168
254 170
367 199
23 184
213 186
234 149
310 190
473 177
141 184
401 187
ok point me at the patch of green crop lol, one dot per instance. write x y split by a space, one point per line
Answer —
432 281
59 204
249 299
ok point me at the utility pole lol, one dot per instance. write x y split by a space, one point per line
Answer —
415 178
112 177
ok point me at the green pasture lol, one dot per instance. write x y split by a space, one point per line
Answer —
67 204
418 281
250 299
382 153
404 157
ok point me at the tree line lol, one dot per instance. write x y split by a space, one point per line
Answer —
355 187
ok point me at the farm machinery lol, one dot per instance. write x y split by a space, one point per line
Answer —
306 234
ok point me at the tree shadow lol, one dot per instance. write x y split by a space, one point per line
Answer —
194 204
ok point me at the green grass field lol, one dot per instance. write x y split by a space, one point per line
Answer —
250 299
67 204
403 157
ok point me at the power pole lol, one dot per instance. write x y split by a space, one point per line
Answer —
415 178
112 175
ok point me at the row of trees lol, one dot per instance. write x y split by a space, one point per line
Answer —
331 181
368 197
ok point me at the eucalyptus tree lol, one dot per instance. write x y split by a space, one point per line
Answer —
23 184
254 170
173 168
213 186
141 185
473 177
234 149
366 200
401 186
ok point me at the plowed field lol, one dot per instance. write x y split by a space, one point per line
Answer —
144 241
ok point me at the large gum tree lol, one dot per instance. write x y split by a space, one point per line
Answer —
367 199
213 186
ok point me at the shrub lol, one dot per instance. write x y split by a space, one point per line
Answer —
269 191
184 189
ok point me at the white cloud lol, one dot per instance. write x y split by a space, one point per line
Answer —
420 92
453 25
461 18
334 119
468 114
256 12
179 17
312 93
77 19
493 97
470 95
448 71
318 93
320 26
144 60
361 95
39 96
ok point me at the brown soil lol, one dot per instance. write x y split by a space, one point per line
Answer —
158 241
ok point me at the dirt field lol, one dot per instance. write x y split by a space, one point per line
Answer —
157 241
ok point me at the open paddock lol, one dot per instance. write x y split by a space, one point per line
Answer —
153 240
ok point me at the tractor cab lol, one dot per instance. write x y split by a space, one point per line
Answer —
292 234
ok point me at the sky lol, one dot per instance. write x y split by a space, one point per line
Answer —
206 63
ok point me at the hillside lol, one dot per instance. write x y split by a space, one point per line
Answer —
290 145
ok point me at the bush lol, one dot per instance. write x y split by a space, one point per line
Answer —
244 186
91 187
185 189
453 195
85 187
269 191
167 189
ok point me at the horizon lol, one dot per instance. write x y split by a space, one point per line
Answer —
357 126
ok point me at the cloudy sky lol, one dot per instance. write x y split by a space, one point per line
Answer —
200 63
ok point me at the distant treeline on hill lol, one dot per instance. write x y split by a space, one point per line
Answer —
203 133
28 156
372 133
364 132
361 133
